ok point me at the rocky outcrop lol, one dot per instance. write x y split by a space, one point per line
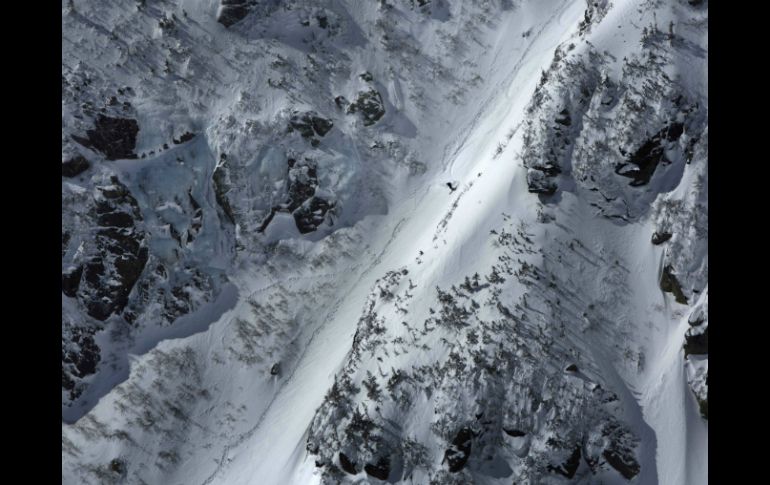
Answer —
457 455
622 461
539 182
369 104
70 281
381 470
65 239
74 166
471 448
109 275
113 137
619 451
570 466
542 170
347 465
696 353
642 163
309 123
696 341
186 136
660 237
303 180
670 284
311 214
221 182
309 210
80 356
233 11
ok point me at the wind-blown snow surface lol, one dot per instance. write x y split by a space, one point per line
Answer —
291 293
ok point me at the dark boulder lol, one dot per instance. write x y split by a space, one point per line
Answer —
115 219
458 454
569 467
80 356
65 239
118 467
302 124
311 214
309 123
341 102
703 407
696 341
321 125
646 160
70 281
643 162
347 465
674 131
74 166
110 274
370 105
564 118
670 284
186 136
660 237
220 178
619 450
307 209
381 470
233 11
303 180
697 317
623 461
514 432
196 223
114 137
538 182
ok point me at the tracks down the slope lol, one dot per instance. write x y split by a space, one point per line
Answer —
504 83
328 317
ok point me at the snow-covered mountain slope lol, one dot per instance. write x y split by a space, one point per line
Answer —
388 241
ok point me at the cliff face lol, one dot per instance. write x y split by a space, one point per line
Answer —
402 241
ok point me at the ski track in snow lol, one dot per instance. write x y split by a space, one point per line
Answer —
507 80
329 317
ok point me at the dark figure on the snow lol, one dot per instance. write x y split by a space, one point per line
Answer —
451 189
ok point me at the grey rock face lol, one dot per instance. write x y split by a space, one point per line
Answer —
233 11
114 137
74 166
110 274
310 123
370 105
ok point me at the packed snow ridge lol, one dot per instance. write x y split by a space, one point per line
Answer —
385 241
